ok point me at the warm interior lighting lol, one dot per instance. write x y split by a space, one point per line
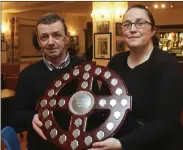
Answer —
171 6
100 14
119 14
156 6
72 33
163 5
147 7
170 36
4 28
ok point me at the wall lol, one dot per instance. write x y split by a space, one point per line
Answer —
109 10
5 22
162 17
168 16
75 23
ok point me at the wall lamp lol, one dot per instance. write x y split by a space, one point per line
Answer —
101 14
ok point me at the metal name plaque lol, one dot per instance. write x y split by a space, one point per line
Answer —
83 103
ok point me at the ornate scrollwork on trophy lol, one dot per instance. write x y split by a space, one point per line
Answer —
82 104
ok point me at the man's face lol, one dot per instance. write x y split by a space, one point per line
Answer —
52 40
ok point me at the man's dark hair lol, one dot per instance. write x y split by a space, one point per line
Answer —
52 18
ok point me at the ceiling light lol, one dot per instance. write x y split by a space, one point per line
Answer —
171 6
147 7
155 5
163 5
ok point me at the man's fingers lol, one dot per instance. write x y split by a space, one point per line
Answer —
37 124
37 121
39 131
98 144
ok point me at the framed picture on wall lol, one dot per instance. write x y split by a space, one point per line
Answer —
74 42
75 39
2 37
103 27
120 46
102 45
4 46
119 29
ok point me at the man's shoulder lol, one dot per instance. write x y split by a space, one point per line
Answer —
77 60
33 67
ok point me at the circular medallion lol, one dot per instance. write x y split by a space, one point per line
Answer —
81 103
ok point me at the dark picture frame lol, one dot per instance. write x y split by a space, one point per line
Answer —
102 45
74 42
75 39
3 45
103 27
120 47
2 37
119 29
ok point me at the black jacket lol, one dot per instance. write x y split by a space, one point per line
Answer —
156 88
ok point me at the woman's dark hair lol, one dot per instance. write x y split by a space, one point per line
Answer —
151 18
52 18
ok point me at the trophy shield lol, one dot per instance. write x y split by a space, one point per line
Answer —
82 104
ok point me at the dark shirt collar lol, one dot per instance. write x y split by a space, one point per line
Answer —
63 64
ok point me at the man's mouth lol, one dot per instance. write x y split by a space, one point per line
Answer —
133 37
52 49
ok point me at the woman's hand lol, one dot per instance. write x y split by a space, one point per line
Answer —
108 144
37 124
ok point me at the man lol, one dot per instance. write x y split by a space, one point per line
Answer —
35 79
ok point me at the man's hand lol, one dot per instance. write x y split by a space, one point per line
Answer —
37 124
108 144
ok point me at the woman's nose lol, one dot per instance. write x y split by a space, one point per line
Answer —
133 27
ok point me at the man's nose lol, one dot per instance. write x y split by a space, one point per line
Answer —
50 40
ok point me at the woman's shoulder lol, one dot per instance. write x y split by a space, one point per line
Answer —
120 56
164 60
163 56
118 59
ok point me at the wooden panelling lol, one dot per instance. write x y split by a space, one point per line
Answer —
11 82
10 69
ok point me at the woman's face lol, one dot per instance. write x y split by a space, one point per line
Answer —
137 37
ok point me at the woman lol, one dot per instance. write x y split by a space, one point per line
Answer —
154 80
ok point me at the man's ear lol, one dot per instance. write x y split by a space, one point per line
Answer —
35 42
38 39
66 39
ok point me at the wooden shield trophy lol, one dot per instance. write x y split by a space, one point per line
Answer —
81 105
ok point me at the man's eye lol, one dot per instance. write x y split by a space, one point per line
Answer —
43 38
57 35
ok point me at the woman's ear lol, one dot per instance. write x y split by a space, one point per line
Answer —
153 31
